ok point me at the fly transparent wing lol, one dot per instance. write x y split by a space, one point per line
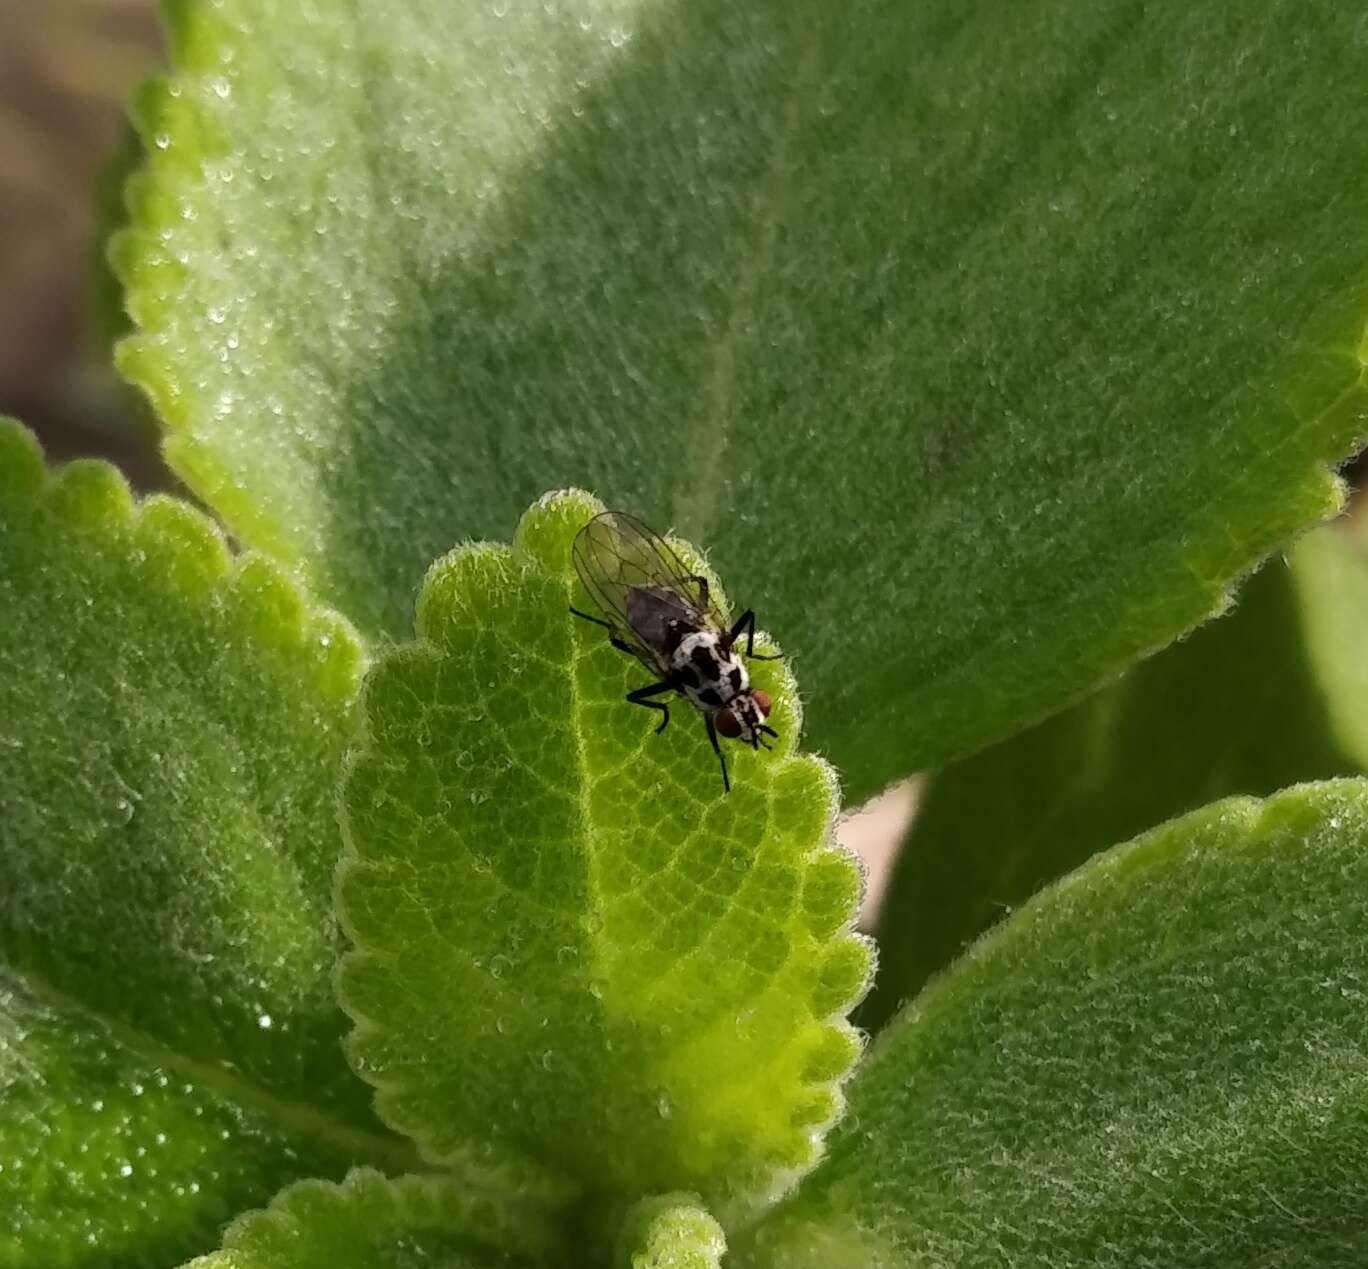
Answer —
637 581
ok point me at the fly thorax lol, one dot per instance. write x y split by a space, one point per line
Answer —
707 672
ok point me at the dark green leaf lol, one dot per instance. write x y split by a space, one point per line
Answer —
1158 1061
172 724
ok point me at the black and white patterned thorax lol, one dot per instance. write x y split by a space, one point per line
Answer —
708 673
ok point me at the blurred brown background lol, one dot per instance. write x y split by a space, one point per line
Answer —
66 70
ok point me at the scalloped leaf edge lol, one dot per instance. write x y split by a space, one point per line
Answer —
433 1204
92 496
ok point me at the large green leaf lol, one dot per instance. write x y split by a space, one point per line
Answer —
986 343
573 947
1246 705
172 724
371 1222
1159 1061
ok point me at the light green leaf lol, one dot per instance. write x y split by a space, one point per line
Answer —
671 1231
572 945
1330 569
1246 705
1159 1061
987 344
172 724
371 1222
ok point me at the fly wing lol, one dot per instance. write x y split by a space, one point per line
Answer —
637 581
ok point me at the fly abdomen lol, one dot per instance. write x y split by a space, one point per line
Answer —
659 618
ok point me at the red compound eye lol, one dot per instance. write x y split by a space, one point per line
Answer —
727 724
762 702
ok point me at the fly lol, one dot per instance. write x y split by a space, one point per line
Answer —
656 610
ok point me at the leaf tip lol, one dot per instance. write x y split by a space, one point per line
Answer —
90 495
548 527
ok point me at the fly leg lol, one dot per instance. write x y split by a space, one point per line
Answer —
702 591
612 637
642 696
717 749
746 622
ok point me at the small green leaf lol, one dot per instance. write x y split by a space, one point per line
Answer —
986 344
671 1231
371 1222
1248 705
571 944
1159 1061
172 725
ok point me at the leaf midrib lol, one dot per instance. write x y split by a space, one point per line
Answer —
393 1155
696 504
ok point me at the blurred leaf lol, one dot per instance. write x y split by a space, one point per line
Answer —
988 344
109 320
571 944
370 1222
1245 705
172 724
1157 1062
1330 570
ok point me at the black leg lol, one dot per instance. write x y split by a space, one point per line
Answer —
642 696
746 622
598 621
702 590
619 644
717 749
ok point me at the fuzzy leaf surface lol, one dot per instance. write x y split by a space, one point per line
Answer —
1248 704
985 344
572 946
172 725
1158 1061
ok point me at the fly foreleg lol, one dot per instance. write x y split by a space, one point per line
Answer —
642 696
746 622
717 749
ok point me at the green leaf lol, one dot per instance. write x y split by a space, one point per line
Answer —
113 1152
572 946
1157 1062
370 1222
1246 705
671 1231
985 344
172 724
